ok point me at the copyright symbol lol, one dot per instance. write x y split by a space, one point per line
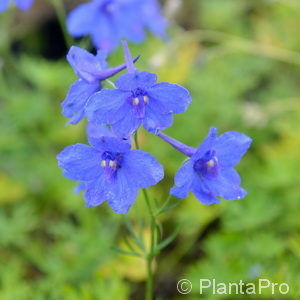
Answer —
184 286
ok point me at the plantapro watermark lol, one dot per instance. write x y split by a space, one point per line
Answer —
184 286
242 288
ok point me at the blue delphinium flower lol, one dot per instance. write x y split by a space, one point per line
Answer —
110 171
90 69
137 100
107 21
21 4
209 171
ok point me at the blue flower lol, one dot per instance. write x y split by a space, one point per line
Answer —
21 4
90 69
209 171
110 171
108 21
137 100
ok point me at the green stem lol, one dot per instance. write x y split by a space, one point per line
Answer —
149 283
61 16
151 254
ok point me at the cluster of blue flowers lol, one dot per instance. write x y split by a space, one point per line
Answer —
109 169
109 21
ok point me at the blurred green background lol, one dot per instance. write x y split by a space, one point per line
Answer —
240 59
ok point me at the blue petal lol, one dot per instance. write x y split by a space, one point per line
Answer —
4 5
180 191
81 20
231 175
152 18
173 97
142 168
130 23
127 125
102 56
23 4
96 192
80 162
202 192
132 81
183 180
230 147
206 144
105 33
96 131
107 106
185 174
155 121
226 185
112 144
77 97
86 65
121 193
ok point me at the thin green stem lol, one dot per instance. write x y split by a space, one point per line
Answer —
153 239
61 16
151 254
148 202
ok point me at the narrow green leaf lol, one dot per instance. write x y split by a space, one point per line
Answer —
137 239
168 207
168 240
125 252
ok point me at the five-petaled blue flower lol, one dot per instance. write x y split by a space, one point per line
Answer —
21 4
110 171
90 69
137 100
209 172
108 21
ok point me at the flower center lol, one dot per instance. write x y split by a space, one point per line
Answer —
139 101
207 166
111 162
